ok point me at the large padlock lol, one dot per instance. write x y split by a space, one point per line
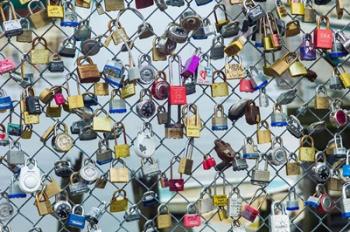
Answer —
307 151
323 38
260 176
177 93
119 201
279 222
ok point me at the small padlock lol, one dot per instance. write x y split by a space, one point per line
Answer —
191 219
234 203
250 212
186 163
39 18
263 135
219 120
219 89
119 201
118 174
104 154
307 49
162 115
76 218
132 214
249 149
292 203
260 176
307 151
149 199
309 13
323 38
76 185
163 217
292 168
345 201
122 150
278 154
192 64
70 17
116 105
220 199
217 49
278 117
149 167
175 185
279 222
177 93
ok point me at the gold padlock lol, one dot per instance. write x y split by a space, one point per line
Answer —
163 217
74 101
344 77
263 135
219 89
340 8
101 89
52 188
39 55
39 19
297 69
297 7
119 201
121 150
321 98
292 168
234 71
235 46
128 89
114 5
267 28
220 199
186 162
282 64
43 203
27 132
310 13
53 110
102 123
30 119
54 11
192 120
335 183
292 28
307 153
156 55
118 174
219 23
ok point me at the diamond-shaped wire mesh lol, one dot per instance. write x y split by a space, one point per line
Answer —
26 216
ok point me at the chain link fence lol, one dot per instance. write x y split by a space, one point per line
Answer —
26 217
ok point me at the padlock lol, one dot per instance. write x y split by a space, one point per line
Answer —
278 154
309 12
217 50
149 167
29 180
344 77
224 151
147 71
76 218
293 28
323 38
205 72
234 204
145 30
220 22
338 50
260 176
95 214
177 3
162 115
204 30
249 149
344 40
253 11
231 29
246 84
292 168
15 155
4 139
113 72
14 190
104 154
43 203
278 117
239 164
191 219
74 101
345 201
208 162
63 168
281 9
101 89
56 64
32 102
27 34
174 130
219 120
14 129
220 199
320 170
68 48
192 64
122 150
76 185
267 38
252 113
62 207
259 80
116 105
292 203
176 33
163 217
52 187
281 65
297 69
192 120
205 204
307 151
294 127
160 86
5 101
175 185
82 31
119 201
307 49
118 174
145 107
145 144
132 214
11 26
234 70
54 11
143 4
335 183
70 17
219 89
102 123
26 132
339 151
297 7
87 133
87 73
321 99
190 20
235 46
6 64
114 5
279 222
326 202
250 212
163 180
91 47
149 199
39 18
186 162
338 117
177 93
39 55
61 140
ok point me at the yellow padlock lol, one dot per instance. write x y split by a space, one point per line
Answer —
219 89
235 46
219 23
220 199
121 150
39 55
128 89
192 120
307 153
74 101
297 7
102 123
119 201
54 11
344 77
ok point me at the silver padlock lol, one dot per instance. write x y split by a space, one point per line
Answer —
278 117
165 45
95 214
116 103
263 98
177 33
344 40
339 150
249 149
294 127
334 82
205 204
345 201
234 203
260 177
278 154
147 71
279 222
104 154
292 202
77 186
149 167
217 48
15 155
219 119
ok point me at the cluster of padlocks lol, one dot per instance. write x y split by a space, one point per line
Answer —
162 93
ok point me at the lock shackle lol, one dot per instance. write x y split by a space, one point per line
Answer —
138 14
251 4
11 11
292 190
306 138
321 89
37 40
340 35
144 58
278 205
149 224
320 155
205 190
116 161
57 2
218 39
171 166
145 92
63 195
217 175
320 189
206 57
119 192
15 144
162 207
41 5
161 109
57 126
223 8
219 73
292 156
189 148
219 108
235 190
320 20
171 59
256 195
124 134
78 207
277 140
147 127
160 75
81 59
71 41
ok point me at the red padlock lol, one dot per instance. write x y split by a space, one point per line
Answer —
208 162
191 218
177 93
175 185
140 4
2 132
164 182
323 38
160 87
246 85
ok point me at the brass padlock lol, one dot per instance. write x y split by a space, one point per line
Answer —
39 55
121 150
297 69
310 13
74 101
293 28
102 123
297 7
307 151
27 35
220 199
186 163
281 65
292 168
114 5
163 217
263 135
219 23
119 201
335 183
192 120
39 19
53 110
128 89
234 71
344 77
118 174
52 188
54 11
42 203
219 89
321 98
235 46
156 55
101 89
339 4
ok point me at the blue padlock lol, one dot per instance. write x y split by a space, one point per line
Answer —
259 79
5 101
113 72
312 201
70 18
149 198
76 218
338 49
292 203
346 166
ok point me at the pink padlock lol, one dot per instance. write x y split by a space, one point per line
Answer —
208 162
59 98
191 218
250 212
192 64
6 65
338 117
246 85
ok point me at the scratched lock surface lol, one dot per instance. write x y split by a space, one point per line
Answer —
25 216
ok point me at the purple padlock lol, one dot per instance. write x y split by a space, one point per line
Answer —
307 49
192 64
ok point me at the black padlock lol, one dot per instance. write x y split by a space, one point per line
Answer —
32 102
90 99
56 64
